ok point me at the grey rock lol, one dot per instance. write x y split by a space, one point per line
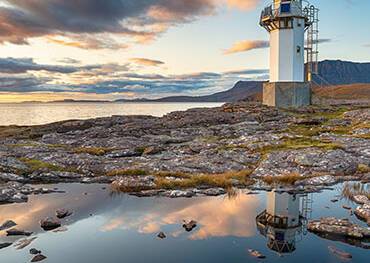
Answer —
363 212
319 180
342 227
49 223
38 258
133 183
180 193
7 224
62 213
5 245
189 226
34 251
17 232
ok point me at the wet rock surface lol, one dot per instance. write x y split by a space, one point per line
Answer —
339 227
324 145
49 223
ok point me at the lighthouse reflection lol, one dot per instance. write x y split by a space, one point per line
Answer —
283 220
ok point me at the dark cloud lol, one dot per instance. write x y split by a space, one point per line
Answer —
23 65
21 20
248 72
69 61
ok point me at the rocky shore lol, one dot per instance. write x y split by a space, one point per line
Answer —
199 151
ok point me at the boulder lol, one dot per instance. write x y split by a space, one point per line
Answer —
180 193
339 227
38 258
17 232
50 223
363 212
361 199
34 251
189 226
133 183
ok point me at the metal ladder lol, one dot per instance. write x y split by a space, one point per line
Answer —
312 41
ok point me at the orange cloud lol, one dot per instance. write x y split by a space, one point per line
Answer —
147 62
247 45
243 4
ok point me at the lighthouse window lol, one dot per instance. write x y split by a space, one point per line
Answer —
285 8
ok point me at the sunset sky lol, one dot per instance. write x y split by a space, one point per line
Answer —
110 49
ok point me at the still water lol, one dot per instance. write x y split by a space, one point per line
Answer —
42 113
112 228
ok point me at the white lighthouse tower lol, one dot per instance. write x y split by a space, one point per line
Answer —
287 21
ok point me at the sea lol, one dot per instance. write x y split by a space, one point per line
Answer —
43 113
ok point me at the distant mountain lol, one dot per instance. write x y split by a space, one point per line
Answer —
337 72
242 90
331 73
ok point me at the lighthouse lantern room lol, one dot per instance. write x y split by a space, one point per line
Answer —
288 22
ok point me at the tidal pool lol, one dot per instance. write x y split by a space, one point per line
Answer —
110 228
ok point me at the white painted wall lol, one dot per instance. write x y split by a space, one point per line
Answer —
284 205
286 64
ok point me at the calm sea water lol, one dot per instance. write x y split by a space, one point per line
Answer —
42 113
113 228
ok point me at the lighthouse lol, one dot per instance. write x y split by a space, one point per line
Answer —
288 22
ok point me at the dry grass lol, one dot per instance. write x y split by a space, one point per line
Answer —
37 165
349 190
98 151
289 178
127 172
363 168
210 180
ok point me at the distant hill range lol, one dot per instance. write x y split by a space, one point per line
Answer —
332 74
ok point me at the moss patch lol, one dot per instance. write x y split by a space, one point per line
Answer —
37 165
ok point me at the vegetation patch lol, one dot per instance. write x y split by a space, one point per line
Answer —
209 180
37 165
98 151
363 168
289 178
350 189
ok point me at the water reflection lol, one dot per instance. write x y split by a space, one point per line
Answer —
217 217
281 223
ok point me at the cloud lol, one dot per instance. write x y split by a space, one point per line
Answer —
93 24
247 45
244 4
23 65
147 62
69 61
140 19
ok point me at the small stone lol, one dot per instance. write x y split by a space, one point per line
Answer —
338 252
62 213
24 243
34 251
189 226
161 235
49 223
38 258
346 207
256 254
334 200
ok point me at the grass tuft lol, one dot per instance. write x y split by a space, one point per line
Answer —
289 178
37 165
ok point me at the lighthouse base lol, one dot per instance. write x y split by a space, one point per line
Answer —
287 94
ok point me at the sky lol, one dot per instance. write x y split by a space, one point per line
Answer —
113 49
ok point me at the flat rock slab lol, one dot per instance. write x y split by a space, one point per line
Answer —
363 212
339 227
